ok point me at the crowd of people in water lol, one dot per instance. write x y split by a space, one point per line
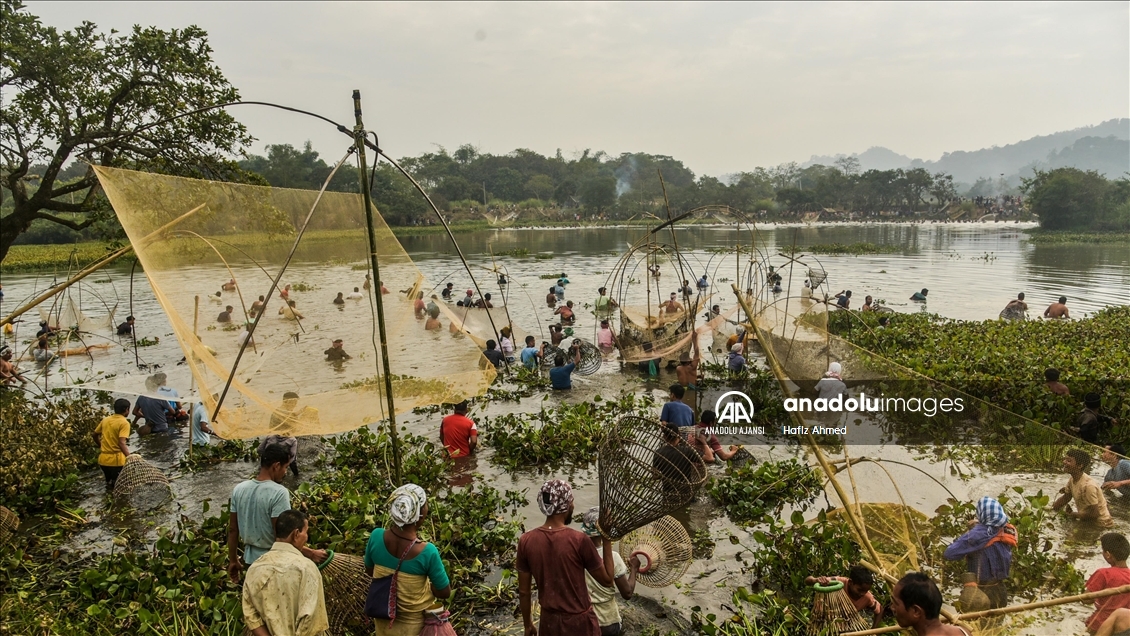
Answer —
577 573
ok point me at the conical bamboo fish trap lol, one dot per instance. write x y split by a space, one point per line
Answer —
346 583
637 484
591 358
141 484
664 549
833 612
9 523
550 352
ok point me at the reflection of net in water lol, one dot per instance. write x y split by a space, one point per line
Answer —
640 478
245 233
141 485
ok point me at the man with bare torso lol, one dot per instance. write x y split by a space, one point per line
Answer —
1057 309
687 373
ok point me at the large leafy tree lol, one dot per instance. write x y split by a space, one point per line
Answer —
105 99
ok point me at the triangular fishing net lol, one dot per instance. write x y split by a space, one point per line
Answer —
638 484
193 237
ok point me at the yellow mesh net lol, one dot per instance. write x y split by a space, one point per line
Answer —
207 246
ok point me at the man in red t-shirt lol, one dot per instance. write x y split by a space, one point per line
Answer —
557 557
1116 549
458 432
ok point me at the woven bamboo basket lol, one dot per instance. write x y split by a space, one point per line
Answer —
833 612
346 583
591 358
637 484
141 484
9 523
663 548
550 352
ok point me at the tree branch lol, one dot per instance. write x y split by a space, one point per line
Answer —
74 225
63 206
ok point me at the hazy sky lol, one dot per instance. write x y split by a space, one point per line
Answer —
724 87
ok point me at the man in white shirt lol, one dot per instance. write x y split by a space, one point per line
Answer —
283 594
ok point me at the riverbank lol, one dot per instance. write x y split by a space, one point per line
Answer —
64 257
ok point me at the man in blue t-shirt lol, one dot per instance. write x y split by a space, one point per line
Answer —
675 412
531 355
561 375
156 413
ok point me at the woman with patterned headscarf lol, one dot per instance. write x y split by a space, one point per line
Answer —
422 578
987 550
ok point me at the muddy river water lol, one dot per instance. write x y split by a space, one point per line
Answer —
971 270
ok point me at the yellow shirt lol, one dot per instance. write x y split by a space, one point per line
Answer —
283 591
1087 493
112 428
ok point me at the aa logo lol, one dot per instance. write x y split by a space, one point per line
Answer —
734 407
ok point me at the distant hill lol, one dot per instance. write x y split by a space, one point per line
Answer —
1105 148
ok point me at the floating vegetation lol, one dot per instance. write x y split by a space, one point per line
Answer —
1038 236
1003 362
751 493
853 249
988 257
228 450
46 442
525 382
549 276
517 252
569 433
303 286
402 385
26 258
148 342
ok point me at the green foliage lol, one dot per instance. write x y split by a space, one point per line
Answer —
72 93
790 551
227 450
755 614
569 433
1040 237
1033 560
177 586
750 494
1073 199
24 258
1003 362
46 443
853 249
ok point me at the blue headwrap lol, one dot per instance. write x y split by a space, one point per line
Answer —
991 513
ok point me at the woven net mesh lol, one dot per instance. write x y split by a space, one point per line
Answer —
141 484
793 331
9 523
639 483
193 236
346 584
591 358
833 613
668 547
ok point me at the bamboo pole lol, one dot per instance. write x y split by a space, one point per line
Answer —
95 266
1011 609
853 520
192 377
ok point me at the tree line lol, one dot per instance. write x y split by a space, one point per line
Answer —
142 100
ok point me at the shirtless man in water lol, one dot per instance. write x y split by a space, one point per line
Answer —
687 371
1057 309
671 306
